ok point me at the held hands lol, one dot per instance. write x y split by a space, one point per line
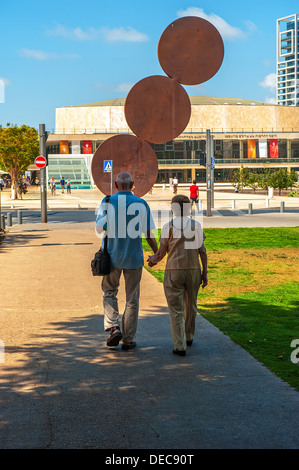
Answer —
150 261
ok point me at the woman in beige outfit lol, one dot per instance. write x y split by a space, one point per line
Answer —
183 240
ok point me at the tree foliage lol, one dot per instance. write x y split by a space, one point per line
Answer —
278 179
240 177
19 146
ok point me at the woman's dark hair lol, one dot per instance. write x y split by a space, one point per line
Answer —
181 200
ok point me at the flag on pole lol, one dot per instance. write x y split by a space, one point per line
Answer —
251 148
274 148
64 146
263 148
87 146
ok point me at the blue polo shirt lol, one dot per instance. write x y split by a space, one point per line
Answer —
128 217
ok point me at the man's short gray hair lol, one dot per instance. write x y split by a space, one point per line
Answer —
124 178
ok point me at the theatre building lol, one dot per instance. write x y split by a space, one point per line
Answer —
245 133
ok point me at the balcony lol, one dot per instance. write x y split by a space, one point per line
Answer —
233 161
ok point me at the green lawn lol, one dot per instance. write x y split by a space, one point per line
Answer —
253 292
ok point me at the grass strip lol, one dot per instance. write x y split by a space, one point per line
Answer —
253 292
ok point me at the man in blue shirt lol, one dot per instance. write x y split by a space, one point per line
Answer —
127 217
62 184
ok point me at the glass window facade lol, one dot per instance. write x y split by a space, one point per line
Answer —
74 169
188 155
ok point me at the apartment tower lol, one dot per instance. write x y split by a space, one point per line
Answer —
288 61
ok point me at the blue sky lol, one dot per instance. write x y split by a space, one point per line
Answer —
70 52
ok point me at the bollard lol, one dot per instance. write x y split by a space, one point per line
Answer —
3 222
282 206
20 221
9 219
267 203
233 204
250 208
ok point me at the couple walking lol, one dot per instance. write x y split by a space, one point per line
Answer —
182 239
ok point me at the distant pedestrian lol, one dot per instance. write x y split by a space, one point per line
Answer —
194 195
62 184
52 185
1 184
175 185
68 186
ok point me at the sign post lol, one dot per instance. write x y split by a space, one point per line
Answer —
209 172
212 171
0 208
108 168
41 162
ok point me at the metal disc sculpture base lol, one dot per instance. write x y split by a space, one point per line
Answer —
129 154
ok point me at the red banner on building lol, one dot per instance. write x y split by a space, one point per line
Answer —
87 146
273 148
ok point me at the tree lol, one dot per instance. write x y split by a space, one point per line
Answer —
253 180
19 146
264 180
293 179
236 179
280 180
240 177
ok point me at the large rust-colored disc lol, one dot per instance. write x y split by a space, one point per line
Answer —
129 154
157 109
190 50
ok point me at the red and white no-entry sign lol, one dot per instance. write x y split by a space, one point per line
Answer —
40 162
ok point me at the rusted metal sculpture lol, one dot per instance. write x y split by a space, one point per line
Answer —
157 108
191 50
130 154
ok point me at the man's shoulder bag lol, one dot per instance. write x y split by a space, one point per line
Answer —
100 265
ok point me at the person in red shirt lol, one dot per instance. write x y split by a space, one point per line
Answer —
194 195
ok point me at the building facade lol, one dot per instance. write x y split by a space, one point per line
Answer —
288 60
245 133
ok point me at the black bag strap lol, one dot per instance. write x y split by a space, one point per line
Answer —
106 234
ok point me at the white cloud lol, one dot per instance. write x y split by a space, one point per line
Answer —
271 100
41 55
122 88
269 82
225 29
5 81
109 34
252 28
123 34
2 91
74 33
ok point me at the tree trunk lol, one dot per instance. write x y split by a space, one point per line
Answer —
14 183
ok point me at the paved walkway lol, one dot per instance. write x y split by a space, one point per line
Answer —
230 209
61 387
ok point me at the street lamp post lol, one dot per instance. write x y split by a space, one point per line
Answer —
209 172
